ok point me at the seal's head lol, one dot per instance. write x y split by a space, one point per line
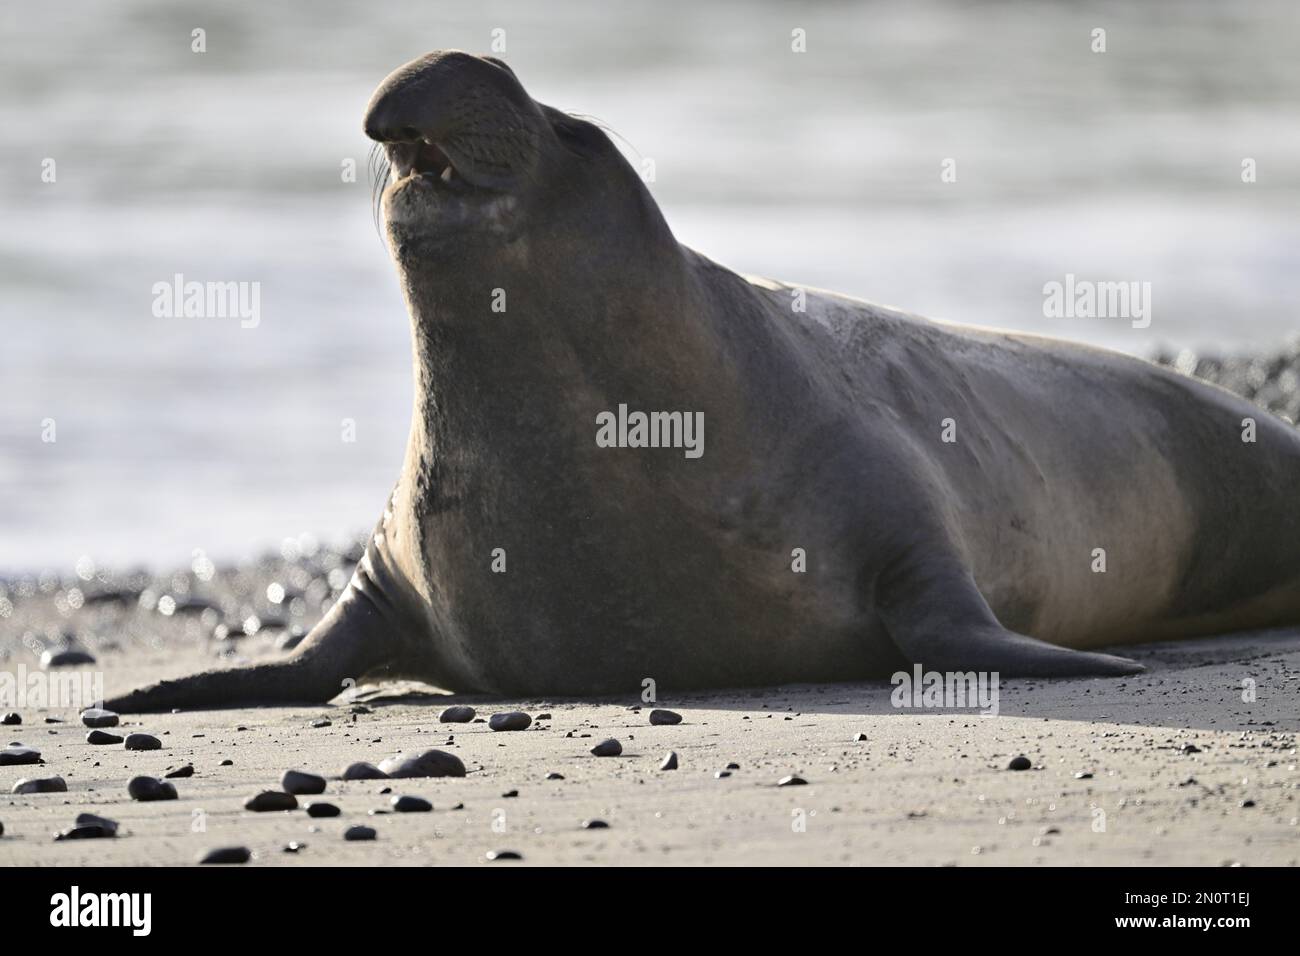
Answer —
479 170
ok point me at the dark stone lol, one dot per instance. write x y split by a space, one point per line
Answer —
11 720
295 781
431 763
146 789
90 819
1019 763
790 780
322 810
143 742
411 805
595 825
179 772
323 722
670 762
360 833
269 801
41 785
227 854
85 831
665 717
554 776
97 717
16 754
364 771
101 737
510 720
65 658
504 855
607 748
460 714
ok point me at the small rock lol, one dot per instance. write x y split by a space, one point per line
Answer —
554 776
595 825
360 833
669 762
542 717
179 772
665 717
143 742
16 754
1083 775
227 854
1191 749
293 846
510 720
504 855
364 771
86 831
1019 763
65 658
271 800
1247 804
431 763
860 737
323 722
295 781
98 717
723 774
101 737
411 805
40 785
790 780
90 819
607 748
322 810
460 714
11 720
146 789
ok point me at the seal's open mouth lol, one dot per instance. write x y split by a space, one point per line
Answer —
425 159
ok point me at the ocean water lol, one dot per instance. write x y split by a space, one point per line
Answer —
821 167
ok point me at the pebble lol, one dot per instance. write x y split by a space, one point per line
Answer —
669 762
2 829
722 774
293 846
143 742
271 800
554 776
85 831
97 717
411 805
431 763
91 820
607 748
1019 763
364 771
595 825
665 717
295 781
790 780
179 772
11 720
146 789
99 737
65 658
504 855
510 720
227 854
322 723
16 754
40 785
460 714
322 810
360 833
860 737
1191 749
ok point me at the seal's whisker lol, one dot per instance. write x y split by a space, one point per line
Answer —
379 170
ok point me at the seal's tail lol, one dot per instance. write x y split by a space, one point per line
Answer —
338 652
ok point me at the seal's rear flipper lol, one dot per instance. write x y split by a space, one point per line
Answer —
939 619
351 640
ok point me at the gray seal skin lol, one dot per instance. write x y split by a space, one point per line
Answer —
824 432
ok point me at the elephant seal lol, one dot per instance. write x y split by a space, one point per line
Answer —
876 489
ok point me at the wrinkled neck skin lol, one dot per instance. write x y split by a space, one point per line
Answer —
502 452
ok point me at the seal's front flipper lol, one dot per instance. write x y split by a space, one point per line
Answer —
939 619
353 639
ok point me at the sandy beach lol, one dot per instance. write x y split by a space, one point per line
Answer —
1170 767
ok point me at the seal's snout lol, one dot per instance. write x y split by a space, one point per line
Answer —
452 117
